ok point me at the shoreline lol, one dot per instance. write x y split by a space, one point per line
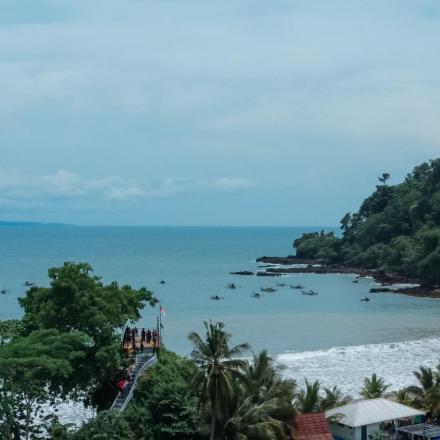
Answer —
320 267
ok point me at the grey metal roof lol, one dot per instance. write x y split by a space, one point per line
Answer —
421 429
370 411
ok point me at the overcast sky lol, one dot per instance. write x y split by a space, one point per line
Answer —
228 112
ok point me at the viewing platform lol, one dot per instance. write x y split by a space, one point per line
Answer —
142 347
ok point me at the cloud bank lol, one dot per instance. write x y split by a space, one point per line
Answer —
175 104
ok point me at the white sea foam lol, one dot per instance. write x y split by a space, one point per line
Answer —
348 366
342 366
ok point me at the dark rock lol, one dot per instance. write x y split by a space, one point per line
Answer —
268 274
381 290
290 259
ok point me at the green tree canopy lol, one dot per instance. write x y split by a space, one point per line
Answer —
79 302
397 228
34 369
9 329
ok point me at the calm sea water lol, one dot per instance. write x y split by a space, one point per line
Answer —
195 263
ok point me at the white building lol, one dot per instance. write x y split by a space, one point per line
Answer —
358 420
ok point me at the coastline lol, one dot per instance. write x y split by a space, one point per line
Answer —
386 279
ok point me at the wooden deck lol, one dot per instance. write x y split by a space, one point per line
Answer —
128 345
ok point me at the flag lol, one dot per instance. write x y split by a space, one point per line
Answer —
162 310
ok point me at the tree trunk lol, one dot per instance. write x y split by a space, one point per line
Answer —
28 419
214 412
214 416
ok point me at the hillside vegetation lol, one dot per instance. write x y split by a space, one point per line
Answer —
397 229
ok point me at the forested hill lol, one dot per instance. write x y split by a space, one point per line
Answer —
397 228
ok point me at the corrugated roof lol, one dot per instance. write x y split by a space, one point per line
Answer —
367 412
312 426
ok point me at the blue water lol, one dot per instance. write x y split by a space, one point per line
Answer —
195 263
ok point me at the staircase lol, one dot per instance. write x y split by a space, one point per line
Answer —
142 362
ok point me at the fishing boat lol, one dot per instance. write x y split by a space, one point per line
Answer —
309 292
298 286
267 289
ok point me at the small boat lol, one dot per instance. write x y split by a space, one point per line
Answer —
267 289
216 297
4 291
309 292
28 284
365 299
256 295
298 286
355 281
231 286
162 281
281 284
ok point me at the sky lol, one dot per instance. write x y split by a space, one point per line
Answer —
229 112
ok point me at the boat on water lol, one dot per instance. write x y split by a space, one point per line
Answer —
4 291
28 284
256 295
216 297
366 299
268 289
297 286
309 292
231 286
281 284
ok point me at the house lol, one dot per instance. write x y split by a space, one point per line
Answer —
360 419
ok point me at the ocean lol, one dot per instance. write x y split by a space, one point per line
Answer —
333 336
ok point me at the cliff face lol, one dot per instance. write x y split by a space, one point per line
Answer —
397 228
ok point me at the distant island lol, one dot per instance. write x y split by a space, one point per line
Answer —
394 236
16 223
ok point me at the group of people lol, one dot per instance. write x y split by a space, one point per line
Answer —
147 337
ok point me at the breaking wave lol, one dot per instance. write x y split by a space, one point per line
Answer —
348 366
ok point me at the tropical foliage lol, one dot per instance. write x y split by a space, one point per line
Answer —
374 387
240 400
313 398
162 406
66 344
397 228
78 302
426 394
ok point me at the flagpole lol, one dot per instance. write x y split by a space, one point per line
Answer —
160 326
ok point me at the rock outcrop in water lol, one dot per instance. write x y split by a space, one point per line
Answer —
242 272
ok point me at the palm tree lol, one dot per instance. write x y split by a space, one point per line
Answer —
308 399
262 378
374 387
262 403
217 366
268 419
333 398
426 395
402 396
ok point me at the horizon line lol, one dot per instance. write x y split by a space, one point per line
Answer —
37 223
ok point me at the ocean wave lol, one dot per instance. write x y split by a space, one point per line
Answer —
348 366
